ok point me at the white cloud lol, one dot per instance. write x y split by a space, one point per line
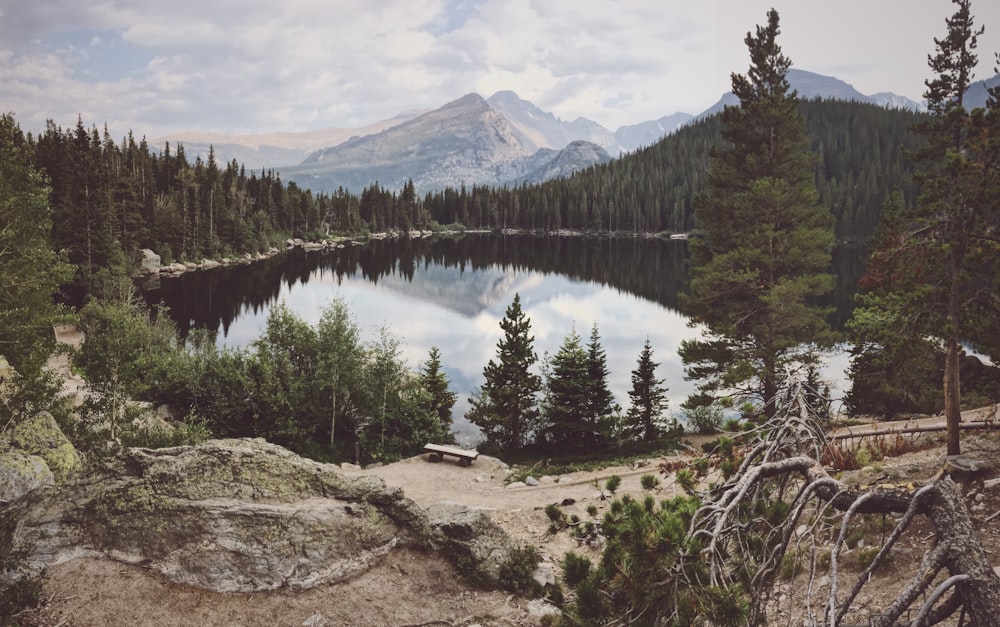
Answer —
255 66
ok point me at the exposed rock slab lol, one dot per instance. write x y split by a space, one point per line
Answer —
227 515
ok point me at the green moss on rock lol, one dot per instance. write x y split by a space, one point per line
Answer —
21 473
41 436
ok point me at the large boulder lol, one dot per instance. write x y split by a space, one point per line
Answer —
41 436
149 262
21 473
227 515
478 545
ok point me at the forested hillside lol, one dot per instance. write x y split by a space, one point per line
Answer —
862 149
112 197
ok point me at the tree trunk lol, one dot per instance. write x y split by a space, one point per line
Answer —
333 416
980 594
952 389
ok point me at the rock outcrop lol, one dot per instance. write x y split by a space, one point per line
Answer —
228 515
472 538
238 515
41 436
21 473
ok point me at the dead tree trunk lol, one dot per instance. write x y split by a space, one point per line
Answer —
780 462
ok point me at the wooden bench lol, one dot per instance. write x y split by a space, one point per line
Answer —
437 452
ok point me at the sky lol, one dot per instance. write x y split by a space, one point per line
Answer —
263 66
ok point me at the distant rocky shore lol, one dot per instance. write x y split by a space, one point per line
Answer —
150 263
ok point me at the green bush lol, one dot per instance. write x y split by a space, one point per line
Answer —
576 568
613 483
517 573
704 419
649 481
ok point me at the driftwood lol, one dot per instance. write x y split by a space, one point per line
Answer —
781 461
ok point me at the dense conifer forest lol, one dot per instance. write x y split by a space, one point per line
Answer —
111 197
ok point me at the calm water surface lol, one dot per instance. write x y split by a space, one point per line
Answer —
453 293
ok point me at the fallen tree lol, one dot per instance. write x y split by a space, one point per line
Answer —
719 555
781 463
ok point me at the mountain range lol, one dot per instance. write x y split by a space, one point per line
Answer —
502 140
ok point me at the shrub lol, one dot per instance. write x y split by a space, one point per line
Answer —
517 573
613 483
649 481
704 419
575 569
685 479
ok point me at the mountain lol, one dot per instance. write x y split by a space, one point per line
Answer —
552 164
810 85
271 150
540 129
640 135
976 94
502 140
465 142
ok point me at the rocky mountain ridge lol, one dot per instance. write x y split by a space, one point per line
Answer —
496 141
465 142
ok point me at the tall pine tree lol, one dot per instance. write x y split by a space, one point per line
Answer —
934 273
30 271
601 400
567 396
440 398
505 407
764 253
648 396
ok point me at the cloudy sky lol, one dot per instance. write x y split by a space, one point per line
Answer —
258 66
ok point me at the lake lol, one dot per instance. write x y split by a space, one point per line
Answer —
452 292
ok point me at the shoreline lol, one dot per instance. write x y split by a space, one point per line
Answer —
150 265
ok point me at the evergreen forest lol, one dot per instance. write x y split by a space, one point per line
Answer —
113 197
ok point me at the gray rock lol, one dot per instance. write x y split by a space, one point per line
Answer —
316 620
149 262
540 608
990 484
7 374
471 536
41 436
21 473
545 574
516 484
531 481
227 515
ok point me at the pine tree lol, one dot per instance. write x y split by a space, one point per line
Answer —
601 400
567 396
934 273
765 251
648 396
441 399
505 407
